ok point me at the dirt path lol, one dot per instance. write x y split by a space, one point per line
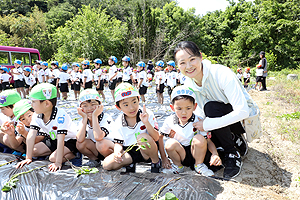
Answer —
272 164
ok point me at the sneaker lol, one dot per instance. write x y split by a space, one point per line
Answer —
240 143
233 165
77 161
131 168
155 167
176 169
203 170
92 163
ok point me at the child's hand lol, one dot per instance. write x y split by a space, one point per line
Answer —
199 125
8 128
118 158
166 163
81 113
215 160
23 162
172 133
98 110
144 115
54 167
21 129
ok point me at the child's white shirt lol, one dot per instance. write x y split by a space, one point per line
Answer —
64 77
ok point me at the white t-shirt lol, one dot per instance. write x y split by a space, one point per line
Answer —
126 73
3 118
47 72
149 76
142 75
41 74
88 74
239 76
56 72
106 123
60 123
5 77
29 80
182 78
246 75
75 76
160 76
111 72
64 77
18 70
171 79
134 75
119 74
127 135
98 73
259 72
184 133
34 70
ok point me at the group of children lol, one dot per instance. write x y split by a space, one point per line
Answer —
39 128
246 76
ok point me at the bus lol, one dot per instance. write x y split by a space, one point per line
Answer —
9 54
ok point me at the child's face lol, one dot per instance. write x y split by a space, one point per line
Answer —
130 106
7 111
170 67
26 73
43 67
125 63
140 68
97 65
183 109
39 107
110 62
1 71
26 118
17 65
89 107
160 69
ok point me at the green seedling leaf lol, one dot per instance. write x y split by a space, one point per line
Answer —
148 145
170 196
143 139
6 188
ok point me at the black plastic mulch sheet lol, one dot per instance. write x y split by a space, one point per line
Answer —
42 184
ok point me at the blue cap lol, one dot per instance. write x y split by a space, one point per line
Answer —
54 63
85 62
140 64
75 64
114 59
45 64
160 63
171 62
19 62
126 58
98 61
4 68
28 69
64 67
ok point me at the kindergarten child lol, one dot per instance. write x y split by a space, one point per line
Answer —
132 125
134 77
171 77
30 81
47 72
187 146
87 75
149 78
259 75
239 74
97 78
75 79
63 80
127 72
246 77
17 73
94 136
160 81
142 80
55 123
112 75
54 75
5 78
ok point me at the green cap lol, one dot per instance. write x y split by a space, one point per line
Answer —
21 107
88 94
125 90
43 91
9 97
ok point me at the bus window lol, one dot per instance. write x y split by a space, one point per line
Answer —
34 57
4 58
20 56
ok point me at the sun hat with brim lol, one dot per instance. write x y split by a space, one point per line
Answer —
88 94
19 62
182 90
43 91
160 63
21 107
171 62
9 97
124 91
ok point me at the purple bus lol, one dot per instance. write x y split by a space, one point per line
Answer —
9 54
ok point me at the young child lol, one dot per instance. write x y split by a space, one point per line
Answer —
7 100
30 81
17 136
98 81
94 136
5 78
132 125
246 77
239 74
149 78
17 73
160 81
127 72
134 77
75 79
112 74
259 75
187 146
55 123
142 80
87 75
54 75
104 77
119 76
171 77
63 80
47 72
40 73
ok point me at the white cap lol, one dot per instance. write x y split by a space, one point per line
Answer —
182 90
125 90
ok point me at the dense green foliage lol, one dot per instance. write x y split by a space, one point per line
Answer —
68 30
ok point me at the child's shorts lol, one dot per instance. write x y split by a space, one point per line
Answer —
189 160
112 84
128 81
161 88
19 83
64 87
5 86
101 86
143 90
88 85
119 80
170 90
246 81
52 144
76 86
53 82
136 156
259 79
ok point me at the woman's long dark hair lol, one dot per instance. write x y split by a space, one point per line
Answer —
190 47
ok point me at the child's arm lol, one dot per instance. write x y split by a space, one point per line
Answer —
59 153
214 159
150 129
98 133
165 161
9 130
118 149
82 127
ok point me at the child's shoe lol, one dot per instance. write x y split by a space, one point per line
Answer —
92 163
77 161
203 170
130 168
155 167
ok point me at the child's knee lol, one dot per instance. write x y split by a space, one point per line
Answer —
199 141
170 144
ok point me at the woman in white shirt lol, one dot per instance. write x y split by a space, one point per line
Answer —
222 101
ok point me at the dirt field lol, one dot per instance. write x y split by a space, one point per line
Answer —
271 169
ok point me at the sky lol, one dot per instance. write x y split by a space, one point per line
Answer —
204 6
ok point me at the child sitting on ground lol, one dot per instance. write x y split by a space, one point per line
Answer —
93 137
55 123
187 146
132 125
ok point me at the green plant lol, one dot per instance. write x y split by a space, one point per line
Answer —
140 146
82 170
8 162
11 183
295 115
170 196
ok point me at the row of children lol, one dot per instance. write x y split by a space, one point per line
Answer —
246 75
48 130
